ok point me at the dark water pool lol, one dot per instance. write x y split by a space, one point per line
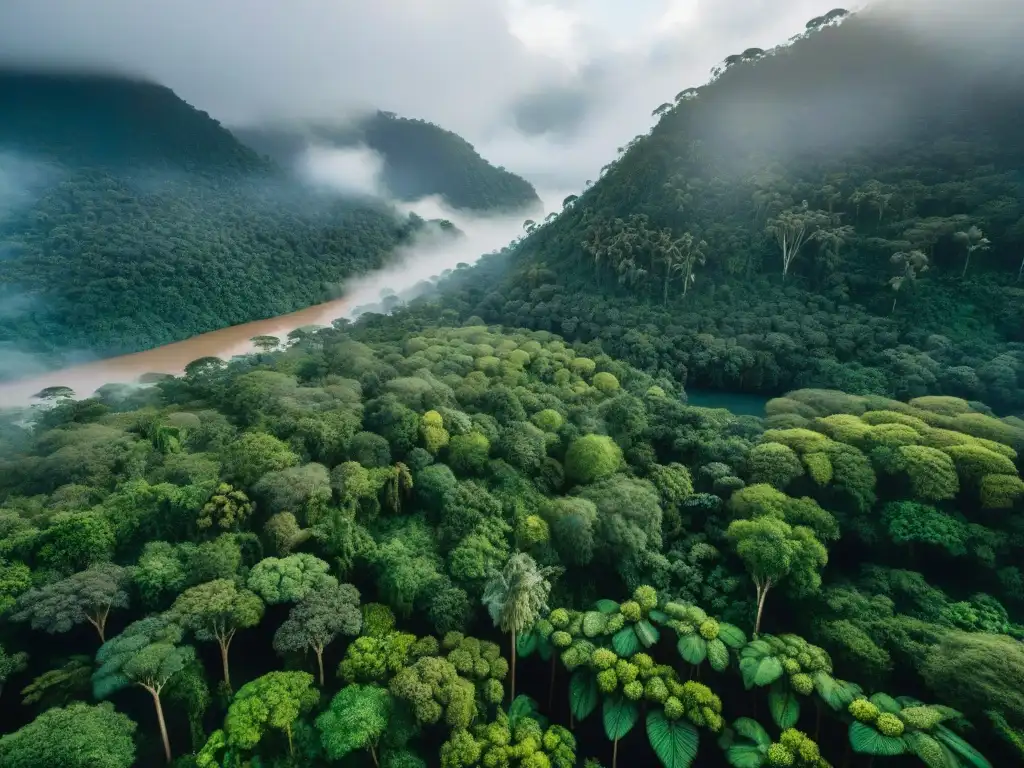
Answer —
741 404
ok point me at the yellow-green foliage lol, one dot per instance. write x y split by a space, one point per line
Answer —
549 420
894 417
843 427
932 472
605 383
891 436
1001 491
774 463
583 366
826 402
488 364
800 440
941 404
819 467
778 406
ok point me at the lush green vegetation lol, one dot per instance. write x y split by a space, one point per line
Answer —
143 221
843 211
420 159
327 552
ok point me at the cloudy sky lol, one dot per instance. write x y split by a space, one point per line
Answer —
547 87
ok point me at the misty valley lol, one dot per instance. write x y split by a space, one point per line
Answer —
330 440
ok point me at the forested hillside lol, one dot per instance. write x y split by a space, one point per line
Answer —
329 552
129 219
846 210
419 159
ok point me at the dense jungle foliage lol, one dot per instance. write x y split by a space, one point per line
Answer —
328 551
134 220
419 159
845 210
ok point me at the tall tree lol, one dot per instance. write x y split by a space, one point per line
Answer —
792 228
357 718
971 240
908 266
318 619
86 596
516 597
147 654
215 611
77 736
275 700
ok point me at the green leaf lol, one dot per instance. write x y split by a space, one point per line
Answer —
647 632
693 648
835 693
658 617
746 755
731 635
583 693
718 655
965 751
673 741
620 715
526 644
753 730
885 703
783 704
544 648
932 752
607 606
867 741
758 671
625 642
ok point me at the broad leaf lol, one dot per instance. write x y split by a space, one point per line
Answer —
607 606
965 751
620 715
885 703
583 693
673 741
753 730
758 671
731 635
693 648
718 655
658 617
834 693
526 644
867 741
783 704
625 642
932 753
746 755
544 648
647 632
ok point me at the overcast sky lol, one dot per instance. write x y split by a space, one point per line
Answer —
547 87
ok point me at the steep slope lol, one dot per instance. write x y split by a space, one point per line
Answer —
419 159
845 210
131 219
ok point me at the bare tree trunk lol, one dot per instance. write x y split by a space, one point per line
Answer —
1020 272
100 624
762 593
893 304
373 755
160 719
967 263
320 664
551 686
513 656
615 752
224 646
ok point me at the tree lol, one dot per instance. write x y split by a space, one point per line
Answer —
772 550
289 579
215 611
10 664
972 240
254 454
58 687
908 265
275 700
792 228
591 458
147 654
265 343
77 736
318 619
228 509
357 718
691 253
88 595
516 597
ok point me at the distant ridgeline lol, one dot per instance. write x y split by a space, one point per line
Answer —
129 219
845 210
419 159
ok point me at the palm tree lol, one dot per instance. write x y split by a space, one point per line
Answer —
516 597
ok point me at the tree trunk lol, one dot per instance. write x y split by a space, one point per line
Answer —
224 646
967 263
513 657
615 752
762 593
320 664
99 623
664 292
291 744
893 304
373 755
1020 272
160 719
